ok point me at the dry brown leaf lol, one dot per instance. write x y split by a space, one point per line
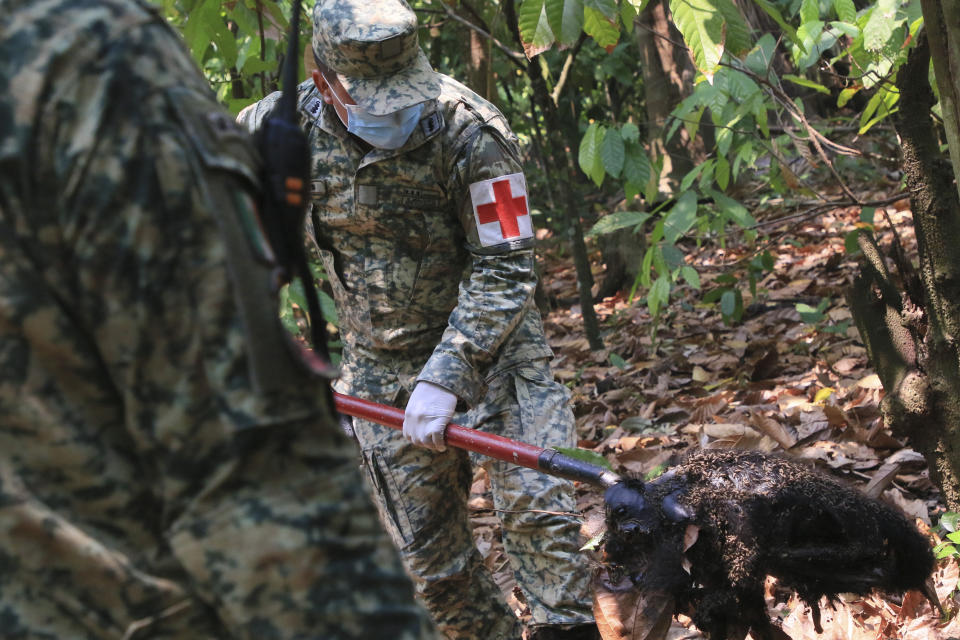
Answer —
945 579
730 435
845 365
881 479
871 381
914 508
774 429
839 623
836 418
623 612
690 536
706 408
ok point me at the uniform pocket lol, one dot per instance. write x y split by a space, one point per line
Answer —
545 414
411 269
388 499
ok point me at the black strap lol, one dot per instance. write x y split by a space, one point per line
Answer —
286 156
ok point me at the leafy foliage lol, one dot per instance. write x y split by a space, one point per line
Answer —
239 44
761 121
764 93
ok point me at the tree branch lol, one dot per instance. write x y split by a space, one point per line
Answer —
567 64
516 58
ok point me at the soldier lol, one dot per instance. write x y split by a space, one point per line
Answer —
167 469
421 216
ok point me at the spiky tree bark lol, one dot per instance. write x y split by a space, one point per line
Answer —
910 321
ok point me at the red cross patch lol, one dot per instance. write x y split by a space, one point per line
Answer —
500 209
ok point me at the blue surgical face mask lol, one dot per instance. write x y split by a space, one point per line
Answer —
390 131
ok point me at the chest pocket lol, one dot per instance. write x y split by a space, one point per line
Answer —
412 264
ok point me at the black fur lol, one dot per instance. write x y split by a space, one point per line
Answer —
756 515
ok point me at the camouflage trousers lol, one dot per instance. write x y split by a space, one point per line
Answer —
287 547
422 496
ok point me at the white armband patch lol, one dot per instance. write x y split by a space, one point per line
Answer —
500 209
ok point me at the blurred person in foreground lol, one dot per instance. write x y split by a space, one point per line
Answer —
168 468
421 218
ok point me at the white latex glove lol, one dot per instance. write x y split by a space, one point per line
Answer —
427 415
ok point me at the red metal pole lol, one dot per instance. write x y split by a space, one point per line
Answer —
487 444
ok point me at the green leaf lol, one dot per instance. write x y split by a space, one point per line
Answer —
659 294
703 28
617 361
944 550
534 27
690 177
607 8
328 308
728 302
598 26
950 520
808 314
681 217
722 173
761 56
594 543
287 319
846 95
809 11
881 105
630 132
851 241
198 31
880 25
636 165
739 40
612 152
589 154
816 41
618 220
565 18
586 455
803 82
846 11
691 276
771 10
672 256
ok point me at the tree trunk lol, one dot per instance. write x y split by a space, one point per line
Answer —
561 164
910 324
477 52
668 74
943 29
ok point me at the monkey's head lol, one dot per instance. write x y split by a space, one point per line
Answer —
639 516
629 511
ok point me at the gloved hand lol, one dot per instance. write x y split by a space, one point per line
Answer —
427 415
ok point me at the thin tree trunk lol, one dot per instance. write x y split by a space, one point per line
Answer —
668 74
562 166
945 45
477 52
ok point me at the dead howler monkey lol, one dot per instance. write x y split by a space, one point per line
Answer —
746 515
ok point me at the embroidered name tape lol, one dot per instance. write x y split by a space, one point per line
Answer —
500 209
313 107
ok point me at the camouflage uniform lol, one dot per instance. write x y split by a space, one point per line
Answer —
421 296
161 475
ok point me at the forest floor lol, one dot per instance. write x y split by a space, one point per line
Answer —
774 382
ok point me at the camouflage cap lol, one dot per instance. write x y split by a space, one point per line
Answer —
373 48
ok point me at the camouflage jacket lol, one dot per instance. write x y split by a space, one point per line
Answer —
128 383
420 294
